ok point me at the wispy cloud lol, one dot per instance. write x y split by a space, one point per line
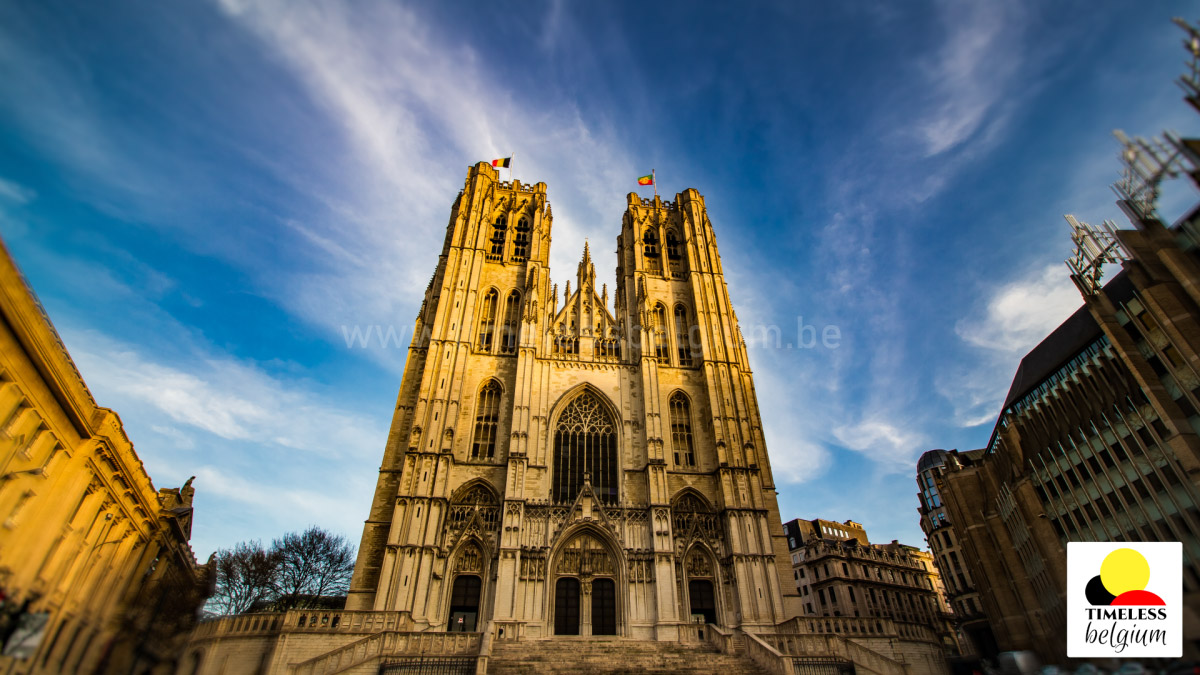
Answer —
1014 318
16 193
386 76
970 73
231 399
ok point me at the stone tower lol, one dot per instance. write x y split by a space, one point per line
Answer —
567 469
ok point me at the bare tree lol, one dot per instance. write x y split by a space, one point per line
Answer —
245 574
312 564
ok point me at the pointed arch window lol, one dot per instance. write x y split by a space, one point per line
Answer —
683 340
521 240
681 430
674 255
487 421
585 442
662 348
511 325
650 250
499 230
487 320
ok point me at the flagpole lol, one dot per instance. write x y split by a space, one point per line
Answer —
512 160
654 181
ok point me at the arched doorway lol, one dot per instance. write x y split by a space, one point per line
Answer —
464 602
702 601
566 606
585 589
604 607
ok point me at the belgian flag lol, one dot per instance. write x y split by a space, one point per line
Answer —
502 163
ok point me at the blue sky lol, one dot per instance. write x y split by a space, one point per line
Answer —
204 194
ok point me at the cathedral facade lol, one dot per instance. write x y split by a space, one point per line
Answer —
562 468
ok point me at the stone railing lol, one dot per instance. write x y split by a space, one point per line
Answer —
858 627
244 624
509 630
766 656
301 621
343 621
719 638
835 646
391 643
485 648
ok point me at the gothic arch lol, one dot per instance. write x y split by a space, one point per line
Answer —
678 499
698 568
487 313
488 413
460 494
679 419
560 564
470 556
587 437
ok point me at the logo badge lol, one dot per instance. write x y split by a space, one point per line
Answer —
1124 599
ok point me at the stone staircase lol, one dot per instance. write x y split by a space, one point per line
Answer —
613 656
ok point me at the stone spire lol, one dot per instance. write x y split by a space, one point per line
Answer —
587 271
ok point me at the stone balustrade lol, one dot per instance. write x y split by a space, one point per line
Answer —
858 627
834 646
389 644
766 656
302 620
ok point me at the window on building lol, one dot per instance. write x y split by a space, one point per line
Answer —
650 251
521 240
487 421
681 430
499 230
662 346
487 320
585 443
512 324
683 342
674 255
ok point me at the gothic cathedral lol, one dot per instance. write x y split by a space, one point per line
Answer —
567 469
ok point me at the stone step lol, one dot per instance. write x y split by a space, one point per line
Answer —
612 656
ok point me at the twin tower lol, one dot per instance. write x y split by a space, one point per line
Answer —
562 468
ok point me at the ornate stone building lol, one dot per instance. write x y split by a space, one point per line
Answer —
839 573
568 486
564 468
96 574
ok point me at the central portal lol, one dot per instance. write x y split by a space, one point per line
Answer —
585 592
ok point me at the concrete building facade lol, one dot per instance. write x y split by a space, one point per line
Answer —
945 546
1098 438
96 574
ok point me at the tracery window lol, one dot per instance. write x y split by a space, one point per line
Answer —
487 320
521 240
662 348
681 430
674 255
511 325
487 421
499 230
650 250
683 333
585 442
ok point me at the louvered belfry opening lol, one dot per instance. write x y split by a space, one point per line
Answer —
585 442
